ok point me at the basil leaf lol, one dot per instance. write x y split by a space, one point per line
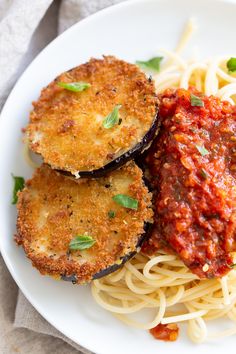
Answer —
81 242
203 173
126 201
74 86
203 151
232 265
196 101
112 118
19 184
231 64
151 64
111 214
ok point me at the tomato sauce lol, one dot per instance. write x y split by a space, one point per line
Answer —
192 165
166 332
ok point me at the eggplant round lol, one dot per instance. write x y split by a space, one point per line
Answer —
102 273
138 149
123 260
96 130
56 213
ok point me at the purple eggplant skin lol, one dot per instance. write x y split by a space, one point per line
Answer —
138 149
72 278
102 273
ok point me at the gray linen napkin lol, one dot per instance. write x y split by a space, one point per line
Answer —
26 27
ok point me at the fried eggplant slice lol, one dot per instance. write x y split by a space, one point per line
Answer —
96 130
55 211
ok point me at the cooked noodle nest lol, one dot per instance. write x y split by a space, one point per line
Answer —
161 283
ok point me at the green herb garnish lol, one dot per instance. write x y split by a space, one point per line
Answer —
126 201
81 242
152 64
112 118
111 214
232 265
19 184
203 173
196 101
74 86
194 130
231 64
203 151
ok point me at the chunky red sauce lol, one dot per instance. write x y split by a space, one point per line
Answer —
168 332
195 201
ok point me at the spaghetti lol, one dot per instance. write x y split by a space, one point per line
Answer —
161 283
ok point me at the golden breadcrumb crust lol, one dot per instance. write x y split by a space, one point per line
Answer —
53 209
66 127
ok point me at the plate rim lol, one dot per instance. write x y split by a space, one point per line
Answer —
3 251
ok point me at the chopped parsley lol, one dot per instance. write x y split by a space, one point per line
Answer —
112 118
111 214
151 64
231 64
203 173
196 101
19 184
232 265
203 151
81 242
74 86
126 201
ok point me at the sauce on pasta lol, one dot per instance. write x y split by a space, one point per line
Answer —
166 332
193 168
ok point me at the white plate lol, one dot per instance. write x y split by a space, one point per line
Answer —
131 30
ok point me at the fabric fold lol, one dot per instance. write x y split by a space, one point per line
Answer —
16 29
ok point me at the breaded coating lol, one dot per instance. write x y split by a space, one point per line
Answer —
53 209
66 127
